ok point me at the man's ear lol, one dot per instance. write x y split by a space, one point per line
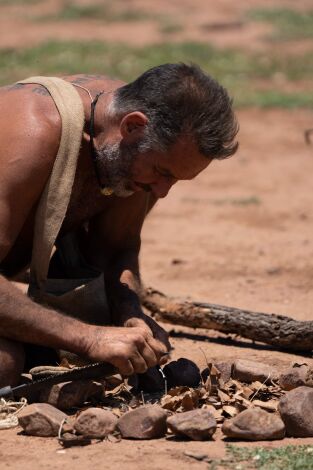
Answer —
132 126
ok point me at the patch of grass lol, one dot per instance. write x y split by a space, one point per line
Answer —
288 23
72 12
241 201
18 2
234 69
262 458
274 99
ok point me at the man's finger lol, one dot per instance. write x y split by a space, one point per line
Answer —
158 347
125 367
139 364
149 355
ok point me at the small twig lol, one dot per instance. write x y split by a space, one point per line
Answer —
255 393
142 398
61 428
165 380
205 357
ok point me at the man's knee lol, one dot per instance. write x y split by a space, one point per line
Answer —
12 359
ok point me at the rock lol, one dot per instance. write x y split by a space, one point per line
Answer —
293 377
146 422
41 419
250 371
309 377
254 424
182 372
198 424
95 423
150 381
225 369
296 410
67 395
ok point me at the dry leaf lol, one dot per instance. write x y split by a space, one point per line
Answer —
181 399
247 392
223 396
230 410
257 386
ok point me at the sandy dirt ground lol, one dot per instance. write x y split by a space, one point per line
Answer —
240 234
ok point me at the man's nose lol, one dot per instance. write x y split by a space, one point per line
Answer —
162 186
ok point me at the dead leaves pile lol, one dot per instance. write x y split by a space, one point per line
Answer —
223 399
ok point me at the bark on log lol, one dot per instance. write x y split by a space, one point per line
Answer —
277 330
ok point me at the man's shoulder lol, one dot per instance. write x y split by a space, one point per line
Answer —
28 114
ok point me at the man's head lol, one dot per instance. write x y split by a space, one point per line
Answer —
170 109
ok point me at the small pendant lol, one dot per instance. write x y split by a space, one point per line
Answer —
107 191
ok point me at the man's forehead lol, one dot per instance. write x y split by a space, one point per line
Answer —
183 159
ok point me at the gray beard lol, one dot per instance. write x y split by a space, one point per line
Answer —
114 163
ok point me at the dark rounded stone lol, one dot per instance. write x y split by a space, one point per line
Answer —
182 372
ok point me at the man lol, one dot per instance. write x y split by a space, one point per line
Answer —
136 142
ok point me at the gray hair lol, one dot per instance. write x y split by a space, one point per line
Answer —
178 100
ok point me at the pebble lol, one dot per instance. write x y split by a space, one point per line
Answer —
293 377
95 423
145 422
250 371
68 395
254 424
198 425
182 372
296 410
41 419
225 368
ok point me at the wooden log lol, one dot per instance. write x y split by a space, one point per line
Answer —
277 330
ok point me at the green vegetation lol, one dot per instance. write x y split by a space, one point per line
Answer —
288 24
262 458
241 201
18 2
103 12
234 69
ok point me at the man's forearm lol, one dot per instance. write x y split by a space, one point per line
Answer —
123 287
23 320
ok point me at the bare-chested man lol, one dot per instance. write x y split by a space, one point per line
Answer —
165 126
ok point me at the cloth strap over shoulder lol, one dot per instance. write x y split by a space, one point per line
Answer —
56 195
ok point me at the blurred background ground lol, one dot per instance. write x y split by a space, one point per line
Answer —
240 234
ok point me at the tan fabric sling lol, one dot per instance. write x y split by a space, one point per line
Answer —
82 299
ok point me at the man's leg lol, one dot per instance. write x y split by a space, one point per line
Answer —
12 358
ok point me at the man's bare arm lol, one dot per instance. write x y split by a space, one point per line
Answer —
114 245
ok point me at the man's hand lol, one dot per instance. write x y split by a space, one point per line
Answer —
131 350
152 327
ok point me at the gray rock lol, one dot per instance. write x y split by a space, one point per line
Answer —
225 369
182 372
95 423
41 419
67 395
254 424
296 410
199 424
293 377
146 422
250 371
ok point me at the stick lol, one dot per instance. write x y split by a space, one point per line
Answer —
277 330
